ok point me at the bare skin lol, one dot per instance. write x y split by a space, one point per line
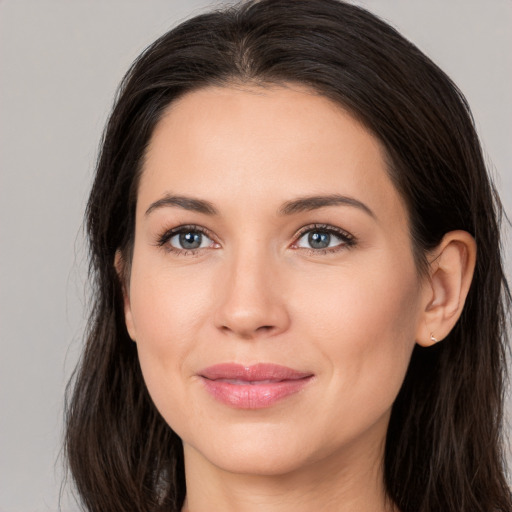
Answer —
229 169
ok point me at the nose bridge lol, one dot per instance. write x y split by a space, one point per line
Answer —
251 300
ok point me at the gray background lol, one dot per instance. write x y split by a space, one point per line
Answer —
60 62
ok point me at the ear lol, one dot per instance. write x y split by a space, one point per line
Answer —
121 269
452 264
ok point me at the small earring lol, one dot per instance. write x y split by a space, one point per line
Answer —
432 339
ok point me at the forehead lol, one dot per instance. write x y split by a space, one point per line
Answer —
265 144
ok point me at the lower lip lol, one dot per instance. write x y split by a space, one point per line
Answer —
253 396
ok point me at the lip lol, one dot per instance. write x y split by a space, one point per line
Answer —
252 387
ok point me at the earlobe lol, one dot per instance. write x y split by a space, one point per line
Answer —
120 266
451 271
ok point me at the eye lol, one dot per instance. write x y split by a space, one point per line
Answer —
324 237
185 238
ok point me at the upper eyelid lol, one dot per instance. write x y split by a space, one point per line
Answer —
301 231
188 227
324 227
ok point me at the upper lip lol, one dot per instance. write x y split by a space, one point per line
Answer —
252 373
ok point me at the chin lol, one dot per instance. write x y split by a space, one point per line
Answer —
264 452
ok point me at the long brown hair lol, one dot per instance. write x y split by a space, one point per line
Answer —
443 449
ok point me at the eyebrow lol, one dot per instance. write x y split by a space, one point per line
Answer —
301 204
187 203
308 203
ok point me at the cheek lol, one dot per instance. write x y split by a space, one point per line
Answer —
365 324
168 314
167 304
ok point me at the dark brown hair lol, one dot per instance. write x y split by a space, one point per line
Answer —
443 449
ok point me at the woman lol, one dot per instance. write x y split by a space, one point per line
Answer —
300 303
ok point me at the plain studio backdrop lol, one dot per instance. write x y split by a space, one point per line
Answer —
60 63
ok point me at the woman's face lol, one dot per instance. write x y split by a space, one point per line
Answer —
273 293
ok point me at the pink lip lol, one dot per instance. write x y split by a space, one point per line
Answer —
252 387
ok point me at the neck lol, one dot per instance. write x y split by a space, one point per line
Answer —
342 482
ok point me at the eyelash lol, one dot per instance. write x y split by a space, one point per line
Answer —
347 240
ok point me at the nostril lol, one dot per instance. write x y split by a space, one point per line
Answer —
249 333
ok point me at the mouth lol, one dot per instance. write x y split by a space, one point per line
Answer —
253 387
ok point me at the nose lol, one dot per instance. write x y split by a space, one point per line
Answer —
251 298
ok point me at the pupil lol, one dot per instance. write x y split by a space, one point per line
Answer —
319 240
190 240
